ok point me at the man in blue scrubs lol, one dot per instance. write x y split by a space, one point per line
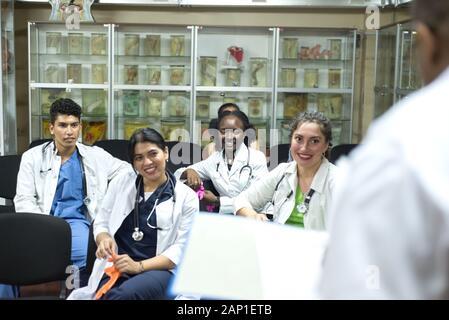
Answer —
67 179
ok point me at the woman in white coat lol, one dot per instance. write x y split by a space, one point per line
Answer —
233 168
300 191
142 226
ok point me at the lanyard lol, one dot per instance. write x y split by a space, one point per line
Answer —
304 207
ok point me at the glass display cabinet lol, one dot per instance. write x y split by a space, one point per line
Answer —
397 73
235 65
174 78
409 78
8 131
152 80
315 71
72 64
385 69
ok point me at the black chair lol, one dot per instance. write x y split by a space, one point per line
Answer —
38 142
35 249
340 150
182 154
278 154
91 250
9 168
116 147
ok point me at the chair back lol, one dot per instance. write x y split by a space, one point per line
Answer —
91 250
278 154
340 150
182 154
38 142
9 168
35 248
116 147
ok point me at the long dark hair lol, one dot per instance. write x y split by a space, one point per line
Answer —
145 135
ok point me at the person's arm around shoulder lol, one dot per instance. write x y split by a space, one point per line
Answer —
25 199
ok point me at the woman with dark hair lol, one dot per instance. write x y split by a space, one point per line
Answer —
142 226
300 191
212 133
233 168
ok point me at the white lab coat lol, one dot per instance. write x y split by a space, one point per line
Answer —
39 172
389 232
118 204
284 197
230 184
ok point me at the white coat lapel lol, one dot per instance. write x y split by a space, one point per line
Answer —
165 215
241 156
222 169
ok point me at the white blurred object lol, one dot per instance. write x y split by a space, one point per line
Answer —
231 257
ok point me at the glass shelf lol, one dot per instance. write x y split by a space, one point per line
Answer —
174 78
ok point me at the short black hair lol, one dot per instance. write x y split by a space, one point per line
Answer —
145 135
249 135
64 106
227 105
434 14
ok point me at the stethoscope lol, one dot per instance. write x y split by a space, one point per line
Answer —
86 199
246 166
137 234
302 207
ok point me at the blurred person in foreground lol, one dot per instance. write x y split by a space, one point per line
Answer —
389 232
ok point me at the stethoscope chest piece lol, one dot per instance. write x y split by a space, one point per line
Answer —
302 208
137 235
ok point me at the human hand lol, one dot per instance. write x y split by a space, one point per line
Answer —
210 198
261 217
125 264
106 246
193 179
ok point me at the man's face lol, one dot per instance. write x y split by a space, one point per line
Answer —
65 130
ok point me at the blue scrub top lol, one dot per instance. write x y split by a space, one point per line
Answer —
68 204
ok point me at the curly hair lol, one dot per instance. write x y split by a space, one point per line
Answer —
65 107
315 117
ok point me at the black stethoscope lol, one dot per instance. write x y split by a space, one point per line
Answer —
246 166
302 207
86 199
137 234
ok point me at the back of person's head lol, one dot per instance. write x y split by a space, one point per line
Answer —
145 135
64 106
248 129
434 14
432 26
316 117
228 107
